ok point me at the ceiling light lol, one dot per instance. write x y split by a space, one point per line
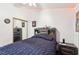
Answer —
30 4
34 4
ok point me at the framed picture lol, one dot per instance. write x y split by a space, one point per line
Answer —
33 23
23 24
77 21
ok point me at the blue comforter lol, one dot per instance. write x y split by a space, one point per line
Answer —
36 45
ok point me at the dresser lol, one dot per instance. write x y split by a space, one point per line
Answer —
67 49
17 34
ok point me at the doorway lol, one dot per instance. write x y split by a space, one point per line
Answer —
20 29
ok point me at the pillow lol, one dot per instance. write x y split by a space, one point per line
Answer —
44 36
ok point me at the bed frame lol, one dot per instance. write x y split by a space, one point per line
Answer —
45 30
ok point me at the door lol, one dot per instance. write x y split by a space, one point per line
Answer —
24 31
20 23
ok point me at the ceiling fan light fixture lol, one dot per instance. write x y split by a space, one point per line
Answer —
30 4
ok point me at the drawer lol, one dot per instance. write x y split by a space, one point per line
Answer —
67 50
65 53
67 47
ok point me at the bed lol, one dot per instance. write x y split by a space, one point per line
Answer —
39 44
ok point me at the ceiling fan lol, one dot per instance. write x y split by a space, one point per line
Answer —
30 4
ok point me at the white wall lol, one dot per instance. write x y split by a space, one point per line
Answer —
6 30
62 19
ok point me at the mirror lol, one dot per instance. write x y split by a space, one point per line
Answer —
77 21
7 21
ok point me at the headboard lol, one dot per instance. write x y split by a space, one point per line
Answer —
45 31
41 30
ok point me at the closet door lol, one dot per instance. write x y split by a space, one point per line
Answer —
23 25
25 31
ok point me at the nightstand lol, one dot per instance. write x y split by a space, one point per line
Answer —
67 49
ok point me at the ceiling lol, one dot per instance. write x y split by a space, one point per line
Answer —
56 5
47 5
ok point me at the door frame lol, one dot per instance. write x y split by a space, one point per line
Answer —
14 18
